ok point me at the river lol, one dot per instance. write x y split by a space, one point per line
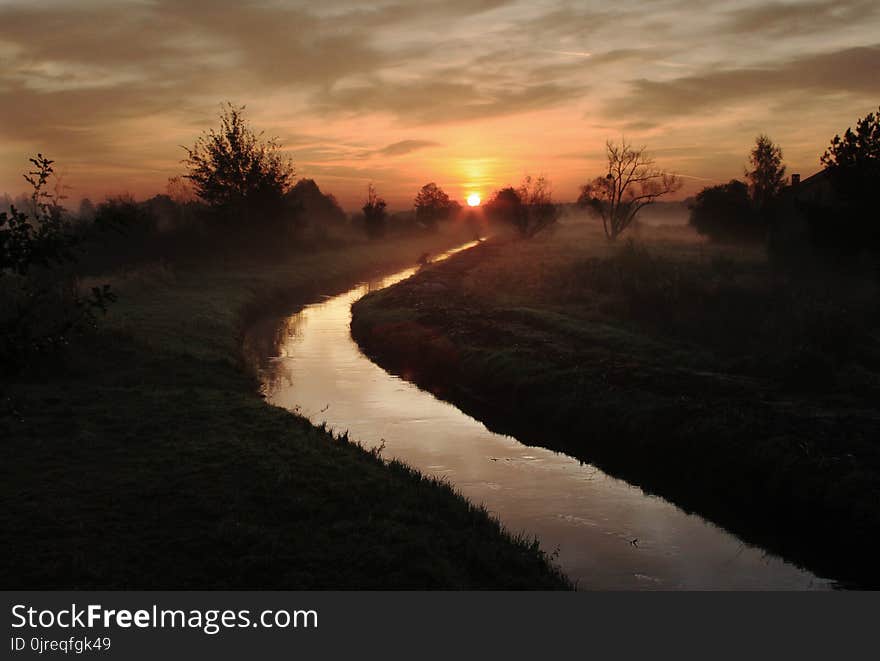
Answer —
604 532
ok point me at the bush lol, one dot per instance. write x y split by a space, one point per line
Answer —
375 216
315 209
529 209
41 307
725 213
240 175
432 205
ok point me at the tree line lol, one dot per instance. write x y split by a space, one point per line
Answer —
239 195
831 215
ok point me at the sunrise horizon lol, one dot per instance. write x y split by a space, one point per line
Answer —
358 96
300 301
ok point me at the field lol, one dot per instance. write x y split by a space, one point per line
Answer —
147 460
739 391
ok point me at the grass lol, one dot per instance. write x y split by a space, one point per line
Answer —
147 460
698 372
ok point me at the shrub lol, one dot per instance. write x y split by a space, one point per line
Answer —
41 307
725 213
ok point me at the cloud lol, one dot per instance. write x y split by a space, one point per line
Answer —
114 86
799 18
170 42
400 148
850 71
394 13
427 101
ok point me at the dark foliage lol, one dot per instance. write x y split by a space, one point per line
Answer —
41 305
375 216
506 208
42 238
853 161
432 205
725 213
529 209
849 223
240 175
767 175
314 209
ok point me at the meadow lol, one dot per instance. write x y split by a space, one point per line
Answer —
143 457
704 373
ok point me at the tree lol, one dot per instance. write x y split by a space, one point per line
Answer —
848 223
853 161
432 205
725 213
375 215
528 209
237 171
767 176
541 212
317 207
506 208
45 237
180 190
86 210
40 304
632 183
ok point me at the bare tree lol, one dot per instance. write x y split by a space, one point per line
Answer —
375 215
529 209
632 183
542 212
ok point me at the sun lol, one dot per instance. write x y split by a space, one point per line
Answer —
473 200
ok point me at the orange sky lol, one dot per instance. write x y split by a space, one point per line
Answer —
471 94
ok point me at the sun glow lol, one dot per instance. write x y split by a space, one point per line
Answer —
473 200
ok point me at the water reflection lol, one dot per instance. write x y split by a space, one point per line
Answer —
608 534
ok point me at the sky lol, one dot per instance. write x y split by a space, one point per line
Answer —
471 94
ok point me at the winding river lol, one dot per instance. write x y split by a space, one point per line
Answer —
606 533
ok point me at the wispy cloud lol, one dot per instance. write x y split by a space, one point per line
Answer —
403 147
850 71
112 88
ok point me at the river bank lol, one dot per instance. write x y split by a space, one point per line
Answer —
642 364
147 459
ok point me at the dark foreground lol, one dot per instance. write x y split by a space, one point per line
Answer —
147 459
701 374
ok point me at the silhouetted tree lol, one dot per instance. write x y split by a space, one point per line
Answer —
506 207
528 209
86 210
849 223
40 306
237 171
725 213
432 205
632 183
313 207
767 175
541 212
853 161
375 216
123 215
180 190
42 238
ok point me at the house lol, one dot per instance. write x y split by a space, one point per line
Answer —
790 228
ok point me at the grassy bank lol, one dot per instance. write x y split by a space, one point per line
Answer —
146 458
698 372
